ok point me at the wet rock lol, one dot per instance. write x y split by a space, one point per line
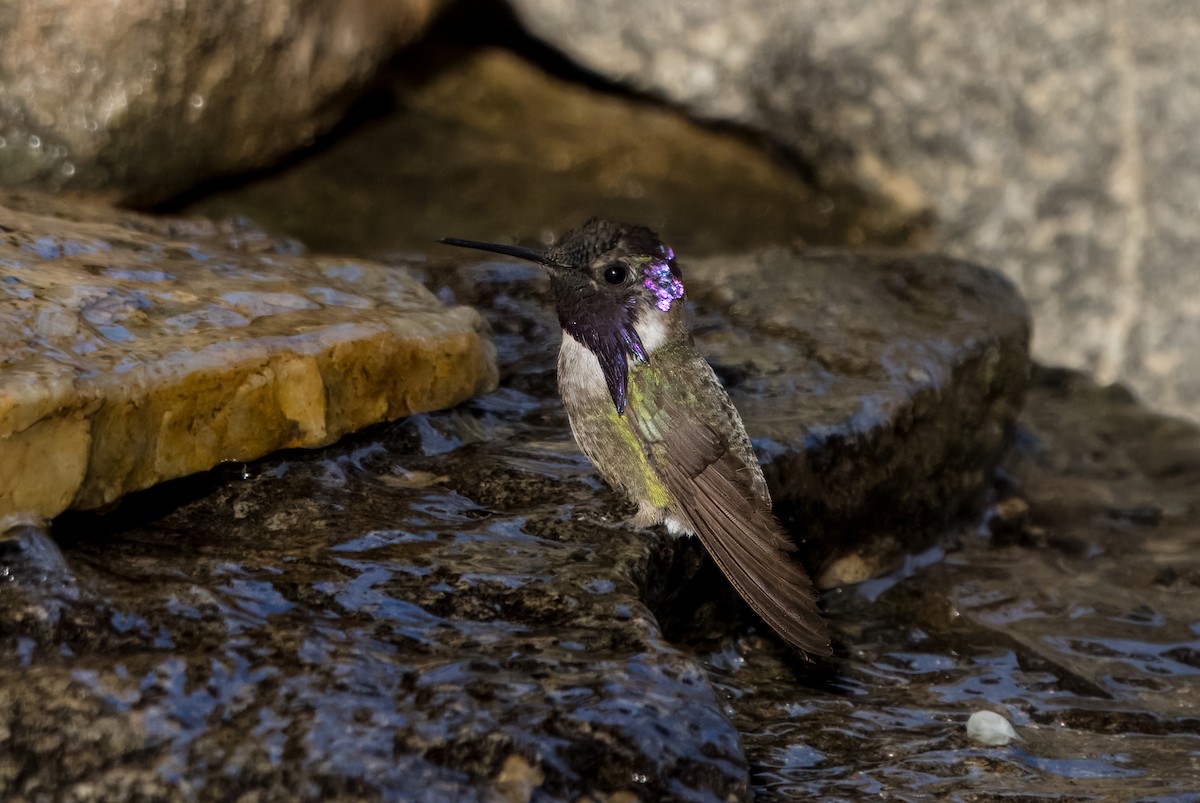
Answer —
448 605
1084 637
147 101
881 391
135 350
350 623
1080 470
1056 144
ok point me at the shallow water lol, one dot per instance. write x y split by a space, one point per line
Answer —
352 621
1078 621
449 608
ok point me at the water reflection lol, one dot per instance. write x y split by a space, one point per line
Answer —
410 608
1090 658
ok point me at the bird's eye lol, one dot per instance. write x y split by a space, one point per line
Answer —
615 274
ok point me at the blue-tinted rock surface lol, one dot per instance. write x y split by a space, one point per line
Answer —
448 606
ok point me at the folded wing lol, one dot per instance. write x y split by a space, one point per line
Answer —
740 532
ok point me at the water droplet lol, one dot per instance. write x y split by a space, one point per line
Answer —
197 101
34 141
68 169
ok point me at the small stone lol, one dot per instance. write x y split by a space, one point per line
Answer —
847 570
1011 508
518 779
988 727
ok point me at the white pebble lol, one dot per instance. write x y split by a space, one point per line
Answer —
988 727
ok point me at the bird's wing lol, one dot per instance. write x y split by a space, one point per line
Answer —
741 533
721 497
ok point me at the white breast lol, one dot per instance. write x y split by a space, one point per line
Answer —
651 328
579 374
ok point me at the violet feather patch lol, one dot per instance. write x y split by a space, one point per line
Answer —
663 283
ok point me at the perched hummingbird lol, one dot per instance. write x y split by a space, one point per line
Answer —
653 418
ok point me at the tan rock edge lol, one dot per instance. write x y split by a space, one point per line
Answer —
135 350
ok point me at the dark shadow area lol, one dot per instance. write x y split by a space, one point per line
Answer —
463 26
699 610
140 509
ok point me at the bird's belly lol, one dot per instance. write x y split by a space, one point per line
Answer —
605 436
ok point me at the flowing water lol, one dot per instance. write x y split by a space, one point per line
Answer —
453 598
449 607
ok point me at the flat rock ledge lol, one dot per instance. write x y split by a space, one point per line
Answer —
881 391
135 350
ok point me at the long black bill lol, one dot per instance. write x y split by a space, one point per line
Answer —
531 254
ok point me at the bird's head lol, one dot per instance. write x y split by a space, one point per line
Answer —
617 289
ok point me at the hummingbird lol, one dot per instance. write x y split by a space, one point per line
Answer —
650 414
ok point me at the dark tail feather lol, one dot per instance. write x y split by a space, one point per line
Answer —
752 551
770 579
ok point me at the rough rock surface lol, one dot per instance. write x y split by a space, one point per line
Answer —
1075 613
1053 140
147 99
882 390
450 606
136 350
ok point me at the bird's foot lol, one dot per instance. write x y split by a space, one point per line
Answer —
646 517
649 516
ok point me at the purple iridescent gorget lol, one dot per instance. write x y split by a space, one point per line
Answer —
661 281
